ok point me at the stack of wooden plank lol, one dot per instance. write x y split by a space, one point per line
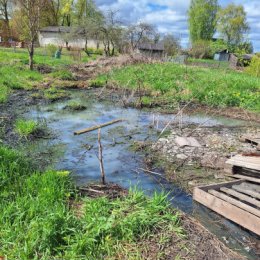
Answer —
237 200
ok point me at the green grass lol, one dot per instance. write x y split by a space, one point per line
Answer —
4 93
174 83
53 94
36 221
75 106
25 127
15 74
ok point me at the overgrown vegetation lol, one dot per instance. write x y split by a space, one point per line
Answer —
254 67
25 127
36 221
174 83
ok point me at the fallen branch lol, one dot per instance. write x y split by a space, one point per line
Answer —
155 173
97 127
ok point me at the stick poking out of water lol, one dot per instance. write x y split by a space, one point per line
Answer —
100 158
97 127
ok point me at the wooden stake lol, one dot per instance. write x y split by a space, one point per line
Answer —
100 158
97 127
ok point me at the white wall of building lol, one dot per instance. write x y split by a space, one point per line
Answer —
46 38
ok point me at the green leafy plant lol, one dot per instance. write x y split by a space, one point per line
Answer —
254 67
25 127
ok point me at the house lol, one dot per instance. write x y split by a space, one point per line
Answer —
222 55
151 50
65 36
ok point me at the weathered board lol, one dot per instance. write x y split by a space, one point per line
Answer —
243 165
217 198
253 139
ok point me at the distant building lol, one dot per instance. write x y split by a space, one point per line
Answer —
222 55
151 50
65 36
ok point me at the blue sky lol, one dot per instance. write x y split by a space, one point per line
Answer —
171 16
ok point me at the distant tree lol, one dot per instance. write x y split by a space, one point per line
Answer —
51 14
140 33
232 24
171 44
88 19
66 12
5 12
111 33
30 20
202 19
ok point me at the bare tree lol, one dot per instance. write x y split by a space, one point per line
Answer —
171 44
31 11
138 33
111 33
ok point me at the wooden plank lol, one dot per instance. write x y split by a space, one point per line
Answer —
243 177
245 191
241 196
245 161
97 127
217 186
235 202
227 210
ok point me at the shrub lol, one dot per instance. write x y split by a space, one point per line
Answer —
25 127
51 49
254 67
201 50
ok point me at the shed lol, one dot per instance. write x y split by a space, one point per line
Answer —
152 50
60 35
222 55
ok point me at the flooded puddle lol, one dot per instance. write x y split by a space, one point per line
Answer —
122 166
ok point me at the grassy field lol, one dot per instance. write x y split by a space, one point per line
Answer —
36 221
14 72
173 83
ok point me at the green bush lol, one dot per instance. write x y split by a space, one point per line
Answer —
254 67
51 49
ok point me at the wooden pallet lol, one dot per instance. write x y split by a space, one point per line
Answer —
243 165
238 201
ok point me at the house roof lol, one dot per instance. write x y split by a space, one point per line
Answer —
62 29
151 46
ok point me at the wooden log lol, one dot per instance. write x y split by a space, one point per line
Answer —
243 177
245 191
97 127
241 196
235 202
229 211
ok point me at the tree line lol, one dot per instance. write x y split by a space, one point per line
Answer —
207 18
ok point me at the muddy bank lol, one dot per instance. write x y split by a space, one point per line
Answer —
202 160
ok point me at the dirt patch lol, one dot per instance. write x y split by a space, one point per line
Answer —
91 69
198 244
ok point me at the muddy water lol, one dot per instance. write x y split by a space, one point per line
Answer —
122 165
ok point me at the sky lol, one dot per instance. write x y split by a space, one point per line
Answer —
170 16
